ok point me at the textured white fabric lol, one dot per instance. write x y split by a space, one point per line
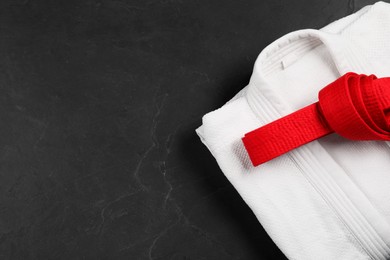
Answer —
329 199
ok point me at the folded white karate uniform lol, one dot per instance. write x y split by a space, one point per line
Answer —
329 199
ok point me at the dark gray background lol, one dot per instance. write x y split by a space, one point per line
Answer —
99 101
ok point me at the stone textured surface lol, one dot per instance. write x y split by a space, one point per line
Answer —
99 100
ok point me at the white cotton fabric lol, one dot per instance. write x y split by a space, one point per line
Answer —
329 199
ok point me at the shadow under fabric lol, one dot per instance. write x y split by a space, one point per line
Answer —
330 198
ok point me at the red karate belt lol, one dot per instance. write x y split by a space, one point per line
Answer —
354 106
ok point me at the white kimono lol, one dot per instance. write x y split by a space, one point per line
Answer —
328 199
